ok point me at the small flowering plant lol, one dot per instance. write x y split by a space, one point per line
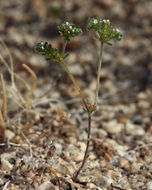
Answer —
47 50
68 30
104 32
104 29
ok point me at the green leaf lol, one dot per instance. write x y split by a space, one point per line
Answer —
66 55
96 38
110 44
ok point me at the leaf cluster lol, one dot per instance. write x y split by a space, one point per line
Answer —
46 49
68 30
104 29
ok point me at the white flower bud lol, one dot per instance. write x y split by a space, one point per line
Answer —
117 30
95 21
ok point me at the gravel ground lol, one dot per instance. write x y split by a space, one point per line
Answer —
46 130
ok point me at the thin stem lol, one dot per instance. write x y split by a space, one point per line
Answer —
64 46
72 77
86 151
98 74
74 82
86 106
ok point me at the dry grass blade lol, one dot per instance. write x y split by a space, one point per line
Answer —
11 61
11 73
68 180
4 97
3 128
57 178
17 96
14 90
33 76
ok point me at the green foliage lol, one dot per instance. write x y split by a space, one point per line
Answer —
46 49
104 29
68 30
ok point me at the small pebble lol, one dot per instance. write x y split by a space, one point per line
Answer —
104 181
5 165
91 186
149 185
58 148
47 185
9 134
143 104
135 130
5 158
113 127
76 69
1 182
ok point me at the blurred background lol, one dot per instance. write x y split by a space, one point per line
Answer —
127 67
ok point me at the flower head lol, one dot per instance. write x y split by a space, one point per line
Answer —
46 49
68 30
104 29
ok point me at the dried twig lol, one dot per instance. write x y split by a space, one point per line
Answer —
68 180
11 73
139 147
6 185
4 97
57 178
3 127
33 76
11 61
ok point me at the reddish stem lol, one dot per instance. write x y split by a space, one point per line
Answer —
86 151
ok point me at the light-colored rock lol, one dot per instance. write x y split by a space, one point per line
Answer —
91 186
135 167
1 182
58 148
121 149
74 153
141 96
113 127
82 146
76 69
47 185
9 134
99 133
104 181
135 130
143 104
149 185
79 157
5 164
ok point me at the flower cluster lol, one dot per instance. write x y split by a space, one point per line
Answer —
68 30
104 29
46 49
